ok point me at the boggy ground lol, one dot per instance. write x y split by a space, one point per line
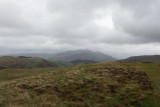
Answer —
111 84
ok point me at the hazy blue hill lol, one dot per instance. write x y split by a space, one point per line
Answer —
145 58
69 56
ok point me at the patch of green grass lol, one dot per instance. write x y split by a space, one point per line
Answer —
153 71
61 64
12 74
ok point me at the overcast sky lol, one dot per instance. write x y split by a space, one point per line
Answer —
120 28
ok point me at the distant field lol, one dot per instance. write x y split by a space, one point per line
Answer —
95 85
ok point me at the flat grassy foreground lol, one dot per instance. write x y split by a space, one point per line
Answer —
112 84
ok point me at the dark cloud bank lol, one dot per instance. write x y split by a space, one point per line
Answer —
117 27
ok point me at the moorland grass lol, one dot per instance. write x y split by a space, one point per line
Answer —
111 84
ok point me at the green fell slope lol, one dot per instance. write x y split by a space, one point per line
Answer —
111 84
23 62
145 59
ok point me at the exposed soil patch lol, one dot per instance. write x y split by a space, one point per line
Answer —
26 86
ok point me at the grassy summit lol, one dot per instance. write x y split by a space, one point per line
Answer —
95 85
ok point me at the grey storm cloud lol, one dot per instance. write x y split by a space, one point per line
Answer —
139 19
117 27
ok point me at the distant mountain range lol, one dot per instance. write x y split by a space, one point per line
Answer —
73 55
23 62
144 58
87 56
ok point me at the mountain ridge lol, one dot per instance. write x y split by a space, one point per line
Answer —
143 58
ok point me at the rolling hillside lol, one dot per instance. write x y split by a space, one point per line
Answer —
23 62
111 84
146 58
